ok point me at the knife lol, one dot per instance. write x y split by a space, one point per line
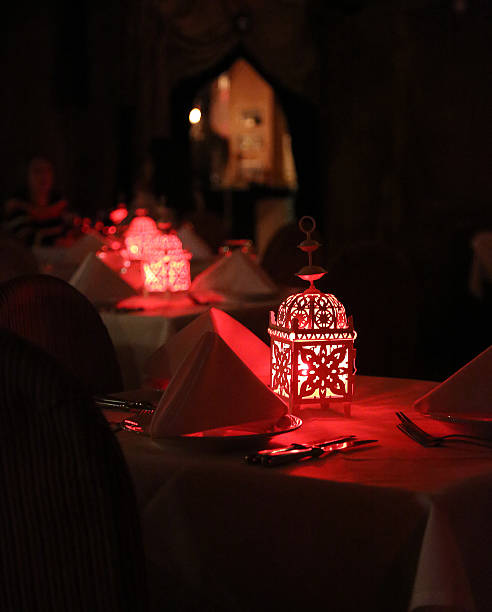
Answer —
314 453
260 455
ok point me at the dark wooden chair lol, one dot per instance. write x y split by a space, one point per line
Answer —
55 316
69 527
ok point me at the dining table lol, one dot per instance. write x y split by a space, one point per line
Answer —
392 527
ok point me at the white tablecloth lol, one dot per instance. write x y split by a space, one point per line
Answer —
391 528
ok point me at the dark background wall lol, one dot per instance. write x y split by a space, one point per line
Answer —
402 129
61 94
405 98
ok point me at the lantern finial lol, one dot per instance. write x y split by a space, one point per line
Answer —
309 273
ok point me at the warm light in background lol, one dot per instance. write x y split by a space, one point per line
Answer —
195 115
223 82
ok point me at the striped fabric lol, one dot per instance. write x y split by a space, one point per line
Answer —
69 528
55 316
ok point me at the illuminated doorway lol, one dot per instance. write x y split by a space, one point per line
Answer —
241 149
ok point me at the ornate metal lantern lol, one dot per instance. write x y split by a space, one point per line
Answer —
166 265
140 236
312 341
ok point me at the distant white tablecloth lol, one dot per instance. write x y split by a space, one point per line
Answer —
393 528
136 335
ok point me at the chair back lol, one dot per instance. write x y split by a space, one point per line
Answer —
55 316
70 534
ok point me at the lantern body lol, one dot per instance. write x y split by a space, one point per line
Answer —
167 274
312 349
167 265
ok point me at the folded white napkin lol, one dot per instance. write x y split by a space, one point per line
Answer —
235 275
467 391
192 242
99 283
213 388
163 364
112 259
88 243
130 271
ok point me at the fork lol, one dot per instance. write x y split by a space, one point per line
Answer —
411 429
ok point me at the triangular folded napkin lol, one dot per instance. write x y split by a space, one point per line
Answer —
213 388
192 242
88 243
467 391
165 362
99 283
130 271
235 275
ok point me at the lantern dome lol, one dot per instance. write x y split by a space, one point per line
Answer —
142 225
312 310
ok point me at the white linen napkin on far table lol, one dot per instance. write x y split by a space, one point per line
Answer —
467 391
237 276
99 283
88 243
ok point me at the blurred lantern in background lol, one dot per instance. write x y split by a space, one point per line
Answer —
162 262
312 341
140 234
167 265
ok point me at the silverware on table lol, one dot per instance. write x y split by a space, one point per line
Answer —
106 402
259 455
416 433
315 451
